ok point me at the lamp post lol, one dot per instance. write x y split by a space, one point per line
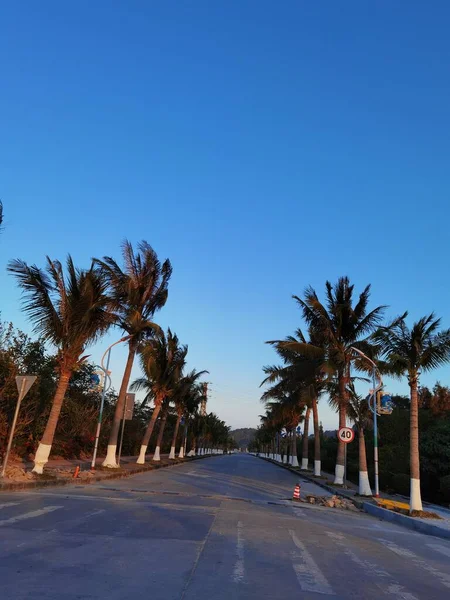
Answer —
375 414
106 386
24 383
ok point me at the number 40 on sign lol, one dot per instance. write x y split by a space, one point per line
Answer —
346 435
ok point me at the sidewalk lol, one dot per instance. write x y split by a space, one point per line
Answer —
437 527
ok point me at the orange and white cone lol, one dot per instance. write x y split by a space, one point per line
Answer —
296 492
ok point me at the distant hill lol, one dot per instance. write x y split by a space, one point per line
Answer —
243 436
330 433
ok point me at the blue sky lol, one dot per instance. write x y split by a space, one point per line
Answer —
261 146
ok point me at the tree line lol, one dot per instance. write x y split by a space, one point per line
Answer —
344 339
70 309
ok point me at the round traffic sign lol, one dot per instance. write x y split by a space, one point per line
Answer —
346 435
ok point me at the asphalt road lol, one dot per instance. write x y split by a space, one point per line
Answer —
215 529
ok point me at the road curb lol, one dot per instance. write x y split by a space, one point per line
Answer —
405 521
373 509
25 485
358 503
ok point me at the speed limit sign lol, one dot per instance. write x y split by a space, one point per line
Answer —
346 435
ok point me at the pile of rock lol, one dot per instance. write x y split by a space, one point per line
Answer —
331 502
86 475
65 473
15 473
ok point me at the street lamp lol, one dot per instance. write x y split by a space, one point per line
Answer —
376 387
106 386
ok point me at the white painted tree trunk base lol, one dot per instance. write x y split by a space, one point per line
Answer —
156 455
141 457
317 468
278 457
339 475
41 458
304 466
110 460
172 452
364 484
284 461
191 453
294 462
181 453
415 502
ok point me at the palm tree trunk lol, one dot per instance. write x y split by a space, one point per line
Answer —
415 496
193 446
183 442
286 449
364 484
294 462
340 459
45 445
148 434
174 439
317 463
305 439
110 460
162 426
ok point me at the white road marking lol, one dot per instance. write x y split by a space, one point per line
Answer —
39 541
309 576
239 569
442 549
80 520
6 504
389 584
29 515
444 578
196 474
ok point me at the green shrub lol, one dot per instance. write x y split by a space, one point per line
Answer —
444 487
400 483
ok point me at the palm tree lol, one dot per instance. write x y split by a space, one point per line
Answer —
290 409
215 432
303 374
162 360
162 425
136 293
337 326
410 352
305 439
187 397
71 313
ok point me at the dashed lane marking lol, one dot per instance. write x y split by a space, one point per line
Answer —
387 584
309 576
442 549
29 515
7 504
239 568
444 578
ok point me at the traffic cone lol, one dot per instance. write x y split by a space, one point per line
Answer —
297 492
76 472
